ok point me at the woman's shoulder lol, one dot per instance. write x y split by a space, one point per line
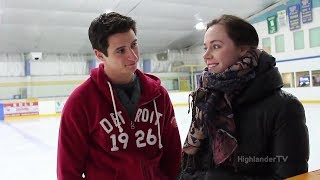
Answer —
288 98
288 107
272 104
282 97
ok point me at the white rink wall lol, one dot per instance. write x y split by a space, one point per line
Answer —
20 109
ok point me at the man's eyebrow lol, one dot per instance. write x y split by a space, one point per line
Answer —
118 48
134 41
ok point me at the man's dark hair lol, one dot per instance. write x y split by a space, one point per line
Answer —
239 30
106 25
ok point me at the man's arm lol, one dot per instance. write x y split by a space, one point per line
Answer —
72 142
172 149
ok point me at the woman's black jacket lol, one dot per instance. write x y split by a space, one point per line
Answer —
273 140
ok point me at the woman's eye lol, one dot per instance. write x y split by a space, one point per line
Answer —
215 46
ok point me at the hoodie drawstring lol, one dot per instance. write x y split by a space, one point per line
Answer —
158 120
115 109
117 118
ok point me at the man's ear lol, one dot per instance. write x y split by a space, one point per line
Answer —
99 55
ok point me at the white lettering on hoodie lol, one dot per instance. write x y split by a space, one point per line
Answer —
142 138
144 115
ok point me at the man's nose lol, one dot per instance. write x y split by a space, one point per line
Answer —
132 55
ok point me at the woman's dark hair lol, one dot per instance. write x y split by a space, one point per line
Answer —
108 24
239 30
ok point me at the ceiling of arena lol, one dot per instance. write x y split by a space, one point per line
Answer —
56 26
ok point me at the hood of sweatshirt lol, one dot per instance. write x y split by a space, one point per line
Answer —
150 84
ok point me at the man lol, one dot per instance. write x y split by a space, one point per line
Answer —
120 123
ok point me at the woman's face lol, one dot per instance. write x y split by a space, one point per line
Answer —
220 51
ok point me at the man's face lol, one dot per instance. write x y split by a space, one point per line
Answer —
123 55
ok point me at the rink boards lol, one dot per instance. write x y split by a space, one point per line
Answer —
33 108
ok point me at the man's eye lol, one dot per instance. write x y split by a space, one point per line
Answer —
120 51
134 45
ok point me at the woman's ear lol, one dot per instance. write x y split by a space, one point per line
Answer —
99 55
243 50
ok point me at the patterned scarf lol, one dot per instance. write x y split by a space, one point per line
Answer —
212 115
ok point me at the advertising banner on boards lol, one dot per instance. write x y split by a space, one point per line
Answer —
20 109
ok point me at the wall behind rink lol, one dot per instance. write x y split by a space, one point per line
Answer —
300 56
31 108
57 75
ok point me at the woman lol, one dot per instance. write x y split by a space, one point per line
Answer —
243 125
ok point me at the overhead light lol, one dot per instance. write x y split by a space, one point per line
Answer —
108 11
200 26
198 17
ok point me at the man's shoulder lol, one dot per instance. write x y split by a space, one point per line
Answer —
84 89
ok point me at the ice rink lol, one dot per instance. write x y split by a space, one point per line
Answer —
28 147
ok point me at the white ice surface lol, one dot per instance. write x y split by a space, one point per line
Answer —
28 148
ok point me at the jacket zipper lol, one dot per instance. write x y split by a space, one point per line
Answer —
132 121
144 173
132 124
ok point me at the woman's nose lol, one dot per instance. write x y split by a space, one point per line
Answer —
206 55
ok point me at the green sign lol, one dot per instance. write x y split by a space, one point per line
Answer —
272 24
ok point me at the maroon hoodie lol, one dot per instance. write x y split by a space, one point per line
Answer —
99 144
